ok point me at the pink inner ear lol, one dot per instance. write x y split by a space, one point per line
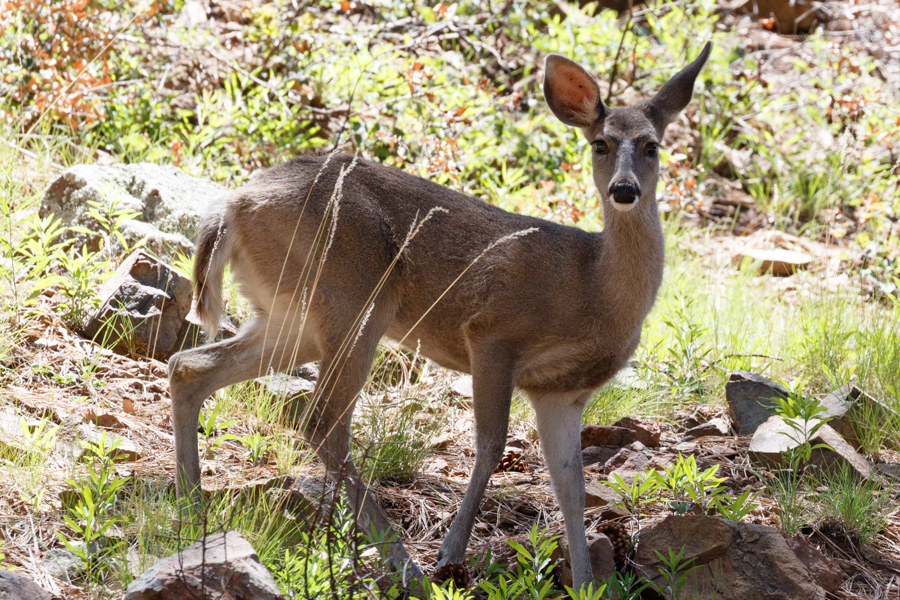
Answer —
575 90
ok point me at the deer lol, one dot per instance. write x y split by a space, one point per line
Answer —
336 253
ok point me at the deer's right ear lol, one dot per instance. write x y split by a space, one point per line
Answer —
572 94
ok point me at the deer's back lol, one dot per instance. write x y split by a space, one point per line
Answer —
449 283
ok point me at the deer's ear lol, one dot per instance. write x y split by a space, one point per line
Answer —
571 92
671 99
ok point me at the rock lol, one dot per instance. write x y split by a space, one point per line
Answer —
144 309
625 431
850 408
717 427
594 455
733 560
170 203
750 400
601 551
775 436
291 390
823 570
73 432
645 432
463 386
633 459
63 564
599 495
221 565
605 435
15 586
778 262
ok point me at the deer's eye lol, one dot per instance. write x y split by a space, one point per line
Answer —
600 147
652 149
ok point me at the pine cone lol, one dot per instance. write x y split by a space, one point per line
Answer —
458 573
512 461
621 541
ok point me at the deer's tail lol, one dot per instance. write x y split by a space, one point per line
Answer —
213 252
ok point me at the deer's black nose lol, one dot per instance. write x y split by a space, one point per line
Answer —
624 192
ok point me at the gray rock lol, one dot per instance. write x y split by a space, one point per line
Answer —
601 552
73 432
222 565
144 310
733 560
778 262
15 586
291 389
597 455
850 409
63 564
775 436
716 427
750 400
599 495
170 203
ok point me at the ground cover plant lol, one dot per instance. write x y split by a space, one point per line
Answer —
791 144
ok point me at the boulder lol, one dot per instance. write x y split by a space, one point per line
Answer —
751 400
645 432
292 389
850 409
633 459
601 552
605 435
169 203
599 495
778 262
15 586
716 427
222 565
624 432
731 560
597 455
776 436
823 570
61 563
73 433
144 309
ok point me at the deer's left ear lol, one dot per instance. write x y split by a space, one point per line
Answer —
571 92
671 99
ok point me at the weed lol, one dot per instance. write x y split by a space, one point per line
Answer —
735 509
689 486
638 493
862 505
674 571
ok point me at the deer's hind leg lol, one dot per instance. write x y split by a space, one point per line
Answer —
346 360
197 373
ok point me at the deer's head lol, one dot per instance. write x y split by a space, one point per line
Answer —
625 141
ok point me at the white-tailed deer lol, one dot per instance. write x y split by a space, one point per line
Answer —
335 253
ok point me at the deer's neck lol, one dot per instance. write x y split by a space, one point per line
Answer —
631 260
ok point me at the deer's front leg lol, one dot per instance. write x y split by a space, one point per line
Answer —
492 387
559 427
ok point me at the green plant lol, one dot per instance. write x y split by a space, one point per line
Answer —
534 569
674 571
90 516
257 445
689 486
625 586
637 493
399 436
211 426
862 505
735 509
